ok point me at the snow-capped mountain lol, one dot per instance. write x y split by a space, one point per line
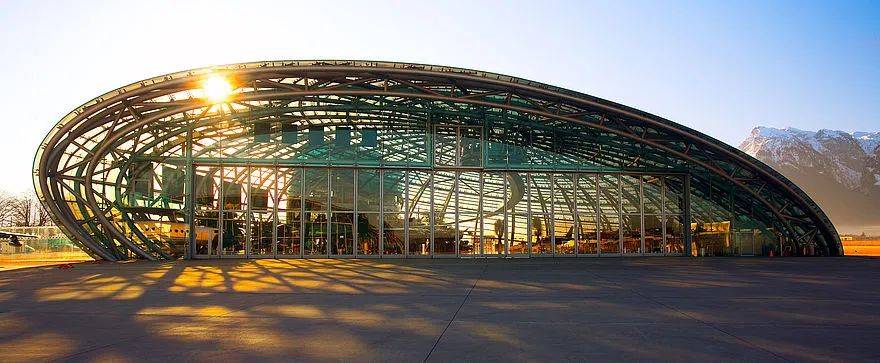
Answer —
840 170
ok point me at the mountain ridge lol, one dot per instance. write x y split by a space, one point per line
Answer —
840 170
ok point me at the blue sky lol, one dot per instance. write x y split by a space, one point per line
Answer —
719 67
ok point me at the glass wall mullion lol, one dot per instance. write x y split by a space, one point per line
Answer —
642 250
620 214
597 203
275 210
529 214
302 208
248 244
381 174
356 217
663 215
406 213
552 178
454 199
480 216
328 212
220 215
576 223
431 216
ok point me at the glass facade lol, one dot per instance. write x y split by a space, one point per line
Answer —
374 212
392 160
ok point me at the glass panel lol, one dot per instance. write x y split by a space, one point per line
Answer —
445 145
206 182
564 233
419 241
316 189
674 234
470 233
262 184
471 146
290 189
493 222
540 196
652 192
289 233
368 234
563 213
542 229
419 205
518 192
342 189
235 188
653 234
394 189
632 234
262 223
207 232
586 205
234 224
710 226
368 190
519 233
609 222
630 189
445 231
315 234
469 221
405 143
341 233
541 205
673 200
393 234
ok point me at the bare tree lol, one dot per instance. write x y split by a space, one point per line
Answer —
27 211
7 206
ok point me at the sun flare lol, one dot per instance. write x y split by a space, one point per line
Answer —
216 88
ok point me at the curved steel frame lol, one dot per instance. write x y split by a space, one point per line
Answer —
95 138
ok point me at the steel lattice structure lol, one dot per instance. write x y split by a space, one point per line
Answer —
87 168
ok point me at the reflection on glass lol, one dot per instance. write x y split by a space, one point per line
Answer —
609 222
542 233
341 233
652 194
261 233
289 233
316 189
564 233
233 233
368 190
653 234
518 239
470 233
393 234
674 234
632 234
207 232
368 234
315 234
629 188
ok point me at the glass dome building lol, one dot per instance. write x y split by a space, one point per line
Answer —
366 159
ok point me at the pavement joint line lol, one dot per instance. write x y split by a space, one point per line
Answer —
463 301
713 326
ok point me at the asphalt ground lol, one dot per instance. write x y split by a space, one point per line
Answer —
592 309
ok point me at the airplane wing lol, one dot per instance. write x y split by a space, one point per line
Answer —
14 237
5 235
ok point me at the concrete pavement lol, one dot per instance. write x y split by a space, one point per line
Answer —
619 309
